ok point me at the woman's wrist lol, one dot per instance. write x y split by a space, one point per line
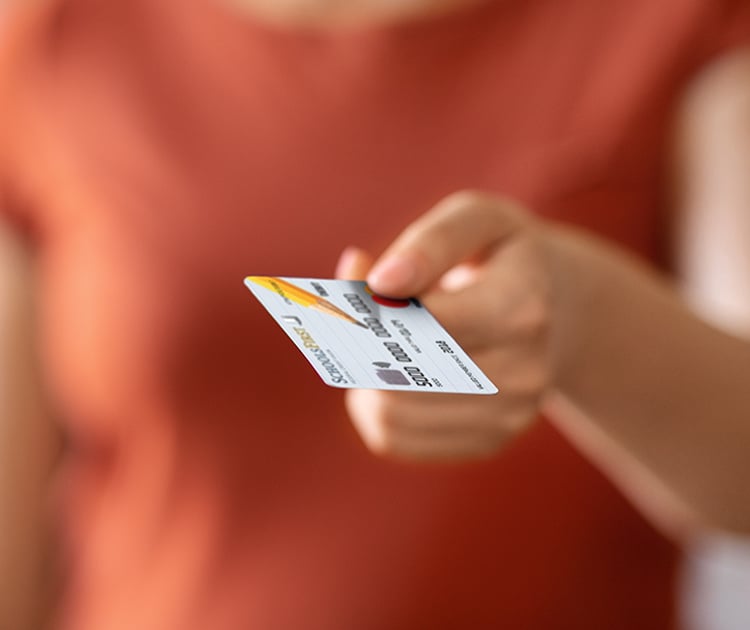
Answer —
575 285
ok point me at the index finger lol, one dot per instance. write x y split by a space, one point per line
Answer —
460 227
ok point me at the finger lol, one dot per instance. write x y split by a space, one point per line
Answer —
460 277
459 228
430 412
516 371
421 437
405 441
353 264
501 308
436 448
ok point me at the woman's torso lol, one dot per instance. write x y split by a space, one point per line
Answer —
212 481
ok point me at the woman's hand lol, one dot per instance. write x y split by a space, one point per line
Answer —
652 395
479 265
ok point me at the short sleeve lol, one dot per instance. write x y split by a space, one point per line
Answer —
14 39
726 28
7 209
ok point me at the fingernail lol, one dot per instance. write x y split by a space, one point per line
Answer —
392 275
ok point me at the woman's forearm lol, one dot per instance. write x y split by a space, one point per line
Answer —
662 386
29 444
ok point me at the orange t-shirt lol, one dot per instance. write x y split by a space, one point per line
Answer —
157 152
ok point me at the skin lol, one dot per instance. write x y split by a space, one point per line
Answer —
29 446
509 337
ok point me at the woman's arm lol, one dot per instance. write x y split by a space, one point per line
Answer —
28 449
639 376
563 321
657 398
711 246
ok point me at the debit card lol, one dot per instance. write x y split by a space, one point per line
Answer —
356 339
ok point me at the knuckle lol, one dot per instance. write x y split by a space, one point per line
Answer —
465 204
529 318
514 421
531 384
376 417
388 408
465 197
521 420
535 317
380 445
503 430
487 204
493 442
378 440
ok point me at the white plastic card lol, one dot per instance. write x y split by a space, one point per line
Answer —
355 339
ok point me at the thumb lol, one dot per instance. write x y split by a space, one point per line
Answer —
462 227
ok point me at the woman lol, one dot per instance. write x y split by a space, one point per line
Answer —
153 154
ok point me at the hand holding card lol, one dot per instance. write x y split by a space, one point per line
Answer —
477 263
